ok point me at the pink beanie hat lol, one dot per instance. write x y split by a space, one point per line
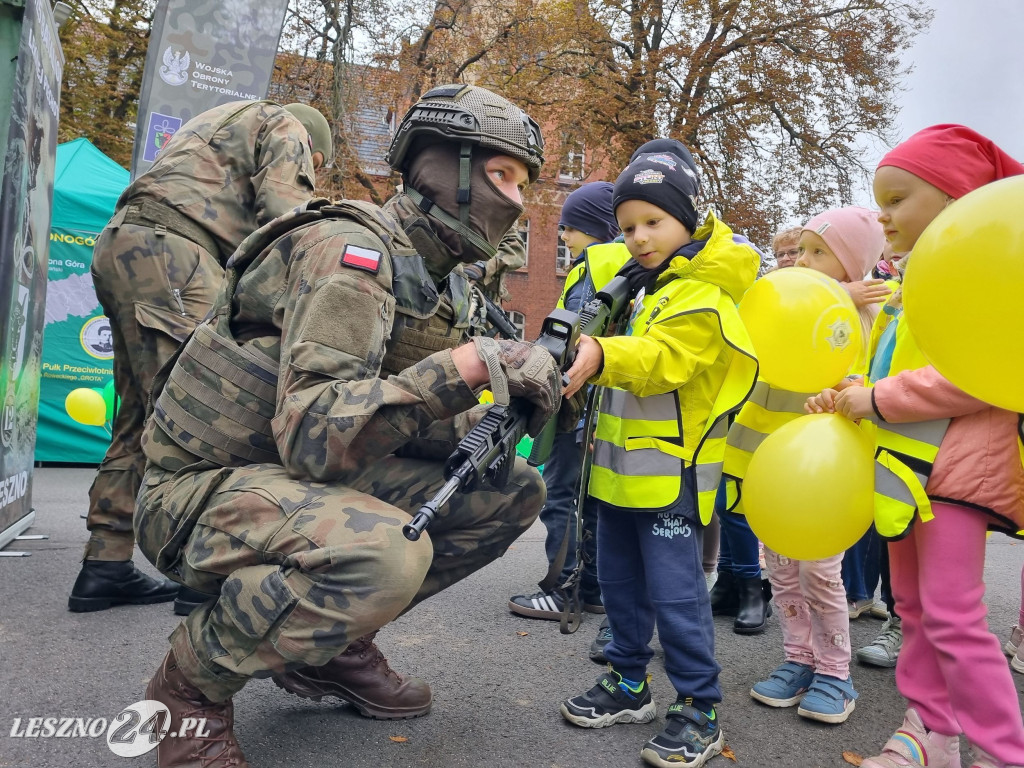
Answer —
854 235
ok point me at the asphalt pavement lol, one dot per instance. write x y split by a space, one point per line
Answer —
497 678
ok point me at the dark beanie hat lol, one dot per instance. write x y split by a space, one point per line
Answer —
589 209
673 147
662 179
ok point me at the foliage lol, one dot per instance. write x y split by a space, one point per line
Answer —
104 46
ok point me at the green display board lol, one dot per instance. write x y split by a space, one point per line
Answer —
76 337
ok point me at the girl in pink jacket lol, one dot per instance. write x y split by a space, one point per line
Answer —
976 483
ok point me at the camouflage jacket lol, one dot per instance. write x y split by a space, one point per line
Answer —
231 170
489 275
321 301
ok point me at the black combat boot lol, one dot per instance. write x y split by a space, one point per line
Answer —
102 584
362 677
754 609
187 600
724 597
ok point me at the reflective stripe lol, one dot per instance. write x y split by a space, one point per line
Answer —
622 404
640 462
744 438
709 476
919 439
780 400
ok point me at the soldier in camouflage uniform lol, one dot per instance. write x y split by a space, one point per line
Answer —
310 415
157 267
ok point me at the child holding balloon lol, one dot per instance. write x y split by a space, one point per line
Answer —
668 385
842 244
949 467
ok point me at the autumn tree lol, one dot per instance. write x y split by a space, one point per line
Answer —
104 45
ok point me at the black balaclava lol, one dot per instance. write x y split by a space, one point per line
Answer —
434 173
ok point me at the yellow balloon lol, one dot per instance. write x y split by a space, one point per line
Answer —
86 406
963 289
804 327
809 490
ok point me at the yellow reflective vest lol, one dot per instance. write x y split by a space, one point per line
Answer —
599 264
671 383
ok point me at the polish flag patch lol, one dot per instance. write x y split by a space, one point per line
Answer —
361 258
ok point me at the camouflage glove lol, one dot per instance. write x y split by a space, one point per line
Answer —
521 369
571 411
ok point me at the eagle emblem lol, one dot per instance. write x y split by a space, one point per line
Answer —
175 68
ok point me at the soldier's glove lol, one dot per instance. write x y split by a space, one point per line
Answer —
571 410
521 369
476 270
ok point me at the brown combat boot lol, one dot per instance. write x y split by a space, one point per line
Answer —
210 745
362 677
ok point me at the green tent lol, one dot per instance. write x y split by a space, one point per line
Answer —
76 337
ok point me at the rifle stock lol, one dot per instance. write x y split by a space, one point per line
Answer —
487 453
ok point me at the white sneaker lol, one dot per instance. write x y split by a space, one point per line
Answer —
1016 635
710 579
884 650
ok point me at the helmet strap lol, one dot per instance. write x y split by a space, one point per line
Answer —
430 208
465 169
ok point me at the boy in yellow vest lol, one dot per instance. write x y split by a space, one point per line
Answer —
669 383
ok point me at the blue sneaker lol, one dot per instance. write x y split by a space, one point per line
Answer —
829 699
610 702
689 739
785 686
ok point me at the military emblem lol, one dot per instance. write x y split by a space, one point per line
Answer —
175 68
840 337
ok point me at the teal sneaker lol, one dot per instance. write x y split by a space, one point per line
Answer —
828 700
785 686
610 702
689 739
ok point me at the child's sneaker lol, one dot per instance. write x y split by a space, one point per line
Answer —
982 759
858 607
828 699
689 739
884 650
610 702
785 686
1012 645
604 636
914 746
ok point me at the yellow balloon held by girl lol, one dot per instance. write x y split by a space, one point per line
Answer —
809 490
804 327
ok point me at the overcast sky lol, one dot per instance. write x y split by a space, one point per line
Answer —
968 69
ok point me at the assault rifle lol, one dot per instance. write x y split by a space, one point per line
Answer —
487 453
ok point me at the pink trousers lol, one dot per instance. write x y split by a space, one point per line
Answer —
951 668
811 600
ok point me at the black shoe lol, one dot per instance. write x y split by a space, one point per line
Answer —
724 596
545 605
689 739
608 703
754 609
604 636
188 600
102 584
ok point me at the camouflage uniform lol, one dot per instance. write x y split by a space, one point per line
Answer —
284 485
489 276
158 265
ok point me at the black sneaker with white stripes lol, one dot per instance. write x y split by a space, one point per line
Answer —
546 605
608 703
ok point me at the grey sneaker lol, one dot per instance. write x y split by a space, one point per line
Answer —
884 649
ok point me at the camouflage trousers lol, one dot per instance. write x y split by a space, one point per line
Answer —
154 289
303 568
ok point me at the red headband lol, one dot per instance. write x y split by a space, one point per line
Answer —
953 158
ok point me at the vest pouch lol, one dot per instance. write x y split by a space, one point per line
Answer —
219 400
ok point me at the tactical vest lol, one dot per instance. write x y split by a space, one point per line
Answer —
639 455
216 398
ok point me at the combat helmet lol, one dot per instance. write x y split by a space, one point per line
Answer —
469 115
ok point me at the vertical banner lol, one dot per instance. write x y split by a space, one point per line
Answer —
202 54
26 195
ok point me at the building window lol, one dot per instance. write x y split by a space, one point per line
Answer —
563 258
572 166
519 321
524 235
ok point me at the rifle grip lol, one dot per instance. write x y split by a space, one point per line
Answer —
543 443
